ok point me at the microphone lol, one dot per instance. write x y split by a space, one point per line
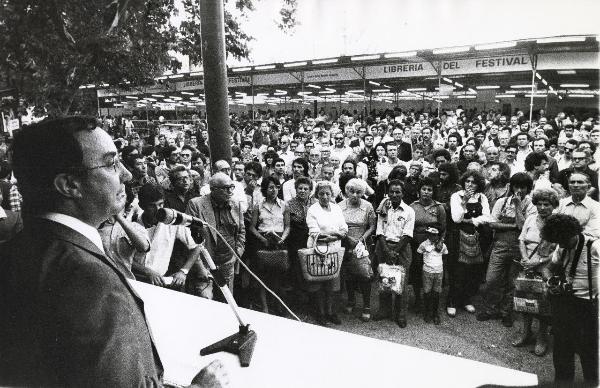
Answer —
173 217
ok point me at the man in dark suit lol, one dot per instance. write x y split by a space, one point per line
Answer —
69 316
226 215
404 149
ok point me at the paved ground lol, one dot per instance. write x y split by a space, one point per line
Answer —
462 336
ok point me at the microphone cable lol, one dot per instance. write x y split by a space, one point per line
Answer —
253 274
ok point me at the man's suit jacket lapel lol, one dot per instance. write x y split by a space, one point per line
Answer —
69 235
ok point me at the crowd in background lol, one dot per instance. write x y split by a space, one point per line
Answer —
465 202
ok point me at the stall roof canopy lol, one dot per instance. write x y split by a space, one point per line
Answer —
564 65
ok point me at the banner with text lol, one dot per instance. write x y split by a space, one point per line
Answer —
520 62
419 69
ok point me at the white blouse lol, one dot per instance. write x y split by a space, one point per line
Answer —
320 220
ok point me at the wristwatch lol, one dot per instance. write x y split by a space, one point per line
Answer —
185 271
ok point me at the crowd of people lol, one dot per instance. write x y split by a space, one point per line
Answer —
465 202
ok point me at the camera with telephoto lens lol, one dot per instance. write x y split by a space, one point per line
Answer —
559 287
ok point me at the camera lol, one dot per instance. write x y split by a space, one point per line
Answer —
556 286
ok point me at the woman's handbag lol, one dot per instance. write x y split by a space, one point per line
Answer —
530 294
359 263
469 248
274 260
320 263
391 278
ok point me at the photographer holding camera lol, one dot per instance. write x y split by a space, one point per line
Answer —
573 289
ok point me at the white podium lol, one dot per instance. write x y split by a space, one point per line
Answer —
293 354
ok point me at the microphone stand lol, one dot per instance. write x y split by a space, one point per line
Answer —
241 343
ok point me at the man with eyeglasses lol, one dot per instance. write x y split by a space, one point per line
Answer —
510 158
91 330
580 160
185 156
223 213
340 150
286 153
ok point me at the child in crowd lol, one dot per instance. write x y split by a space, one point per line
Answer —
432 250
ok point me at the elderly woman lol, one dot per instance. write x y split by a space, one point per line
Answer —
507 219
268 227
428 213
326 224
295 218
362 221
469 209
536 253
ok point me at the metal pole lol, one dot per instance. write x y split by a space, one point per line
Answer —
252 107
365 98
215 79
439 91
531 99
98 103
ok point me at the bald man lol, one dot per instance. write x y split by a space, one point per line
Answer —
222 166
226 217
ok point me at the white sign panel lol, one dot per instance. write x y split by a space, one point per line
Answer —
328 75
242 80
165 106
12 124
568 61
190 85
110 92
504 63
277 79
158 88
398 70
